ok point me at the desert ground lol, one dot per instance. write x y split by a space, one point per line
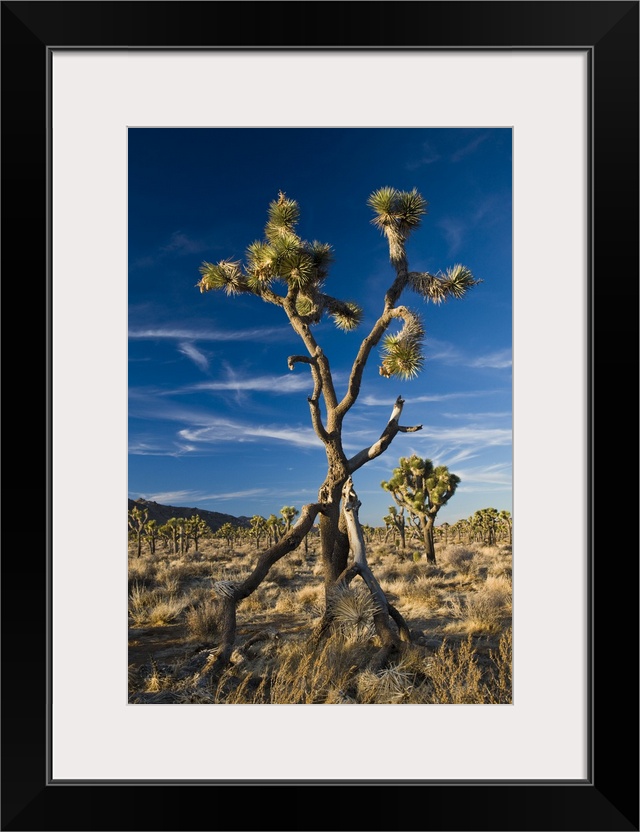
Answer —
459 612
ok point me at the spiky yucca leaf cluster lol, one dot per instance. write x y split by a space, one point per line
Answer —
397 214
452 283
283 217
346 316
353 610
223 275
402 352
440 483
284 257
390 685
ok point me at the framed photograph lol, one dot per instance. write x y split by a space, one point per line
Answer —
99 95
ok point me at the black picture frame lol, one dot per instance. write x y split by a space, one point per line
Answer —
608 799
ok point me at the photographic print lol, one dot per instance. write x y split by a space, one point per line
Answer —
559 82
320 415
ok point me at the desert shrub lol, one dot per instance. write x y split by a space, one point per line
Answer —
165 611
389 686
142 569
499 686
286 602
424 591
309 597
157 679
262 598
459 558
283 573
324 676
168 579
485 609
141 600
202 619
454 675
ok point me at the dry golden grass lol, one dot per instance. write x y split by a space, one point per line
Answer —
202 619
459 612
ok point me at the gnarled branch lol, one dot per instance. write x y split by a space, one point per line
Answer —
314 398
372 339
232 592
390 641
385 439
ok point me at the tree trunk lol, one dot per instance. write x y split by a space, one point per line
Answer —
334 543
427 536
390 640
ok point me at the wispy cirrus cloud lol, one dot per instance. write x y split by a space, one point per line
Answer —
181 243
199 358
280 384
383 401
469 148
453 230
473 436
427 156
200 429
226 430
499 360
178 244
482 215
138 447
479 478
191 335
503 414
176 497
449 354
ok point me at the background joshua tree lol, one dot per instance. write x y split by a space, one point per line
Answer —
395 521
151 535
289 272
228 533
258 528
137 523
172 529
485 523
275 526
288 513
422 489
506 523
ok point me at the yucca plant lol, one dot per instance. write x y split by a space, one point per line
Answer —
422 488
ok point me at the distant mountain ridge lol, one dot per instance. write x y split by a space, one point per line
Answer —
214 519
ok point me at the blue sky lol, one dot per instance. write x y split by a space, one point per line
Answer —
216 419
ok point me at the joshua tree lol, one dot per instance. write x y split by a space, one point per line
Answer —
395 520
289 272
172 529
422 489
258 528
505 522
275 526
288 512
460 529
197 528
485 523
137 523
228 533
151 534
